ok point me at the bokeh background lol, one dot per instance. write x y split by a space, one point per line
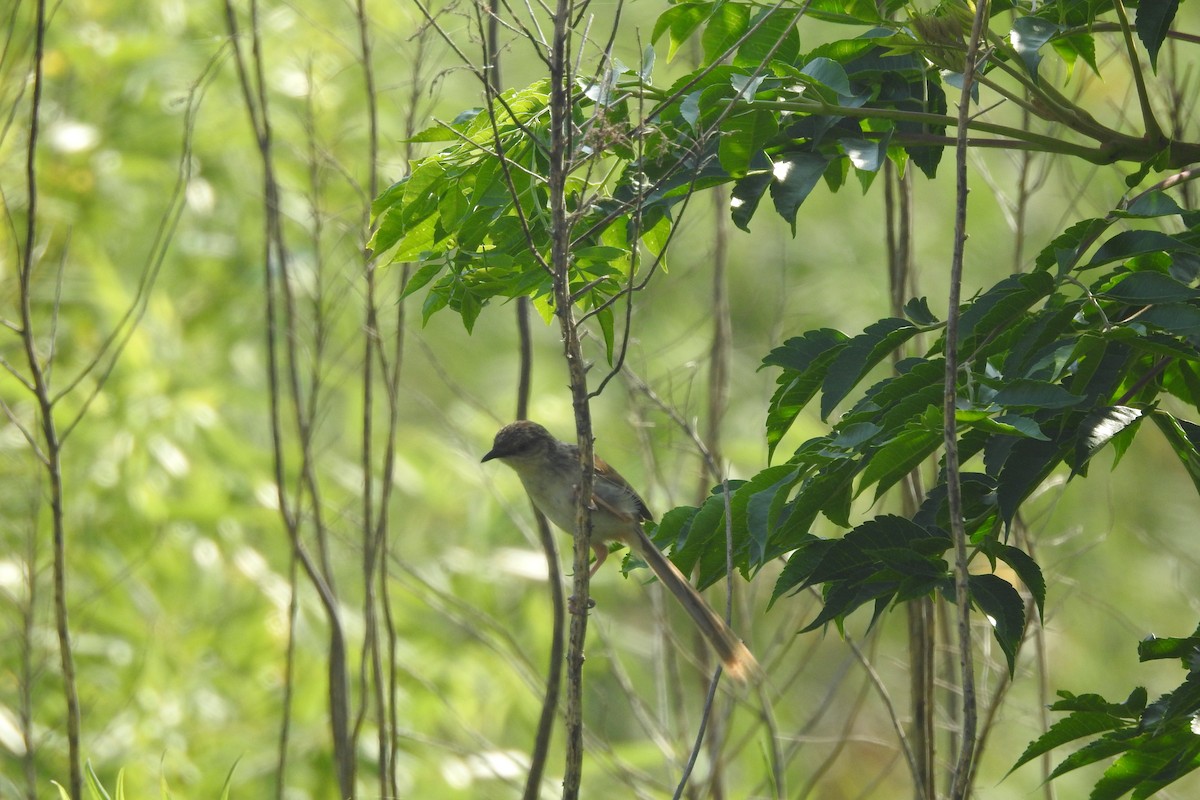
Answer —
180 572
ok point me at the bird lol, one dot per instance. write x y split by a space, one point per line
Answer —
549 470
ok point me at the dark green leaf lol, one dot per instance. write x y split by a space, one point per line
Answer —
899 457
761 494
1027 37
1029 462
1182 436
795 176
1176 318
1145 288
1063 251
1075 726
1151 204
800 564
859 356
1005 610
998 307
747 192
917 310
1153 21
743 137
1128 244
1036 394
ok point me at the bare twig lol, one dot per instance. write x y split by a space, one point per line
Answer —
49 433
960 783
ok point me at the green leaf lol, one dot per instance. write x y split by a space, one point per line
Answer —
1151 204
1100 427
1000 306
1029 462
1153 22
859 356
805 359
1176 318
779 27
742 137
1068 729
747 192
421 277
1071 48
795 176
1036 394
807 554
1183 437
1154 648
1005 610
681 20
1144 288
1062 251
1027 36
1127 244
1026 568
917 310
726 25
897 458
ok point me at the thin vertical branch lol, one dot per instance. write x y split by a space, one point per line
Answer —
898 204
28 619
960 783
42 393
545 729
560 263
253 89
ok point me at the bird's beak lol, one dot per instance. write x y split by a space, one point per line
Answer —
490 455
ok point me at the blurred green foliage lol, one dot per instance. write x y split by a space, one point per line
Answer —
179 567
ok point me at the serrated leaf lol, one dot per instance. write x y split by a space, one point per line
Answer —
897 458
421 277
860 355
1153 22
1075 726
1028 463
809 552
748 191
1154 647
756 500
1001 305
1002 604
1026 568
917 310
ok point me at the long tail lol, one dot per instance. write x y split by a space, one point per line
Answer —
734 655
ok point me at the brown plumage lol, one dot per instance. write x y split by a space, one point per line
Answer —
549 470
